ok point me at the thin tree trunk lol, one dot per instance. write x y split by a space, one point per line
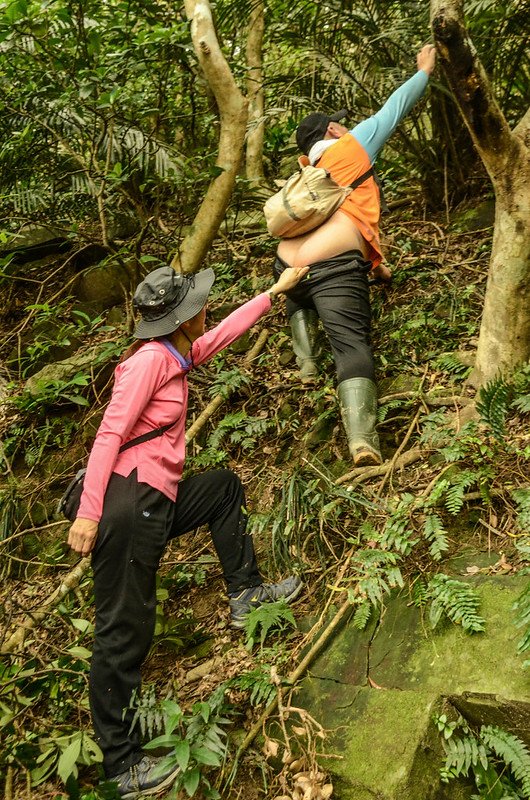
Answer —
255 94
504 340
233 110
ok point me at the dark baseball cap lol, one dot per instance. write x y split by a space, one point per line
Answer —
166 299
313 128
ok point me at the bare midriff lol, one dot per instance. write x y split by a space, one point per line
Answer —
335 236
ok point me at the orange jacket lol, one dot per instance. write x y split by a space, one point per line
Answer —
346 160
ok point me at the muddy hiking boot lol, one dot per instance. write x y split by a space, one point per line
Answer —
145 778
242 603
358 408
304 333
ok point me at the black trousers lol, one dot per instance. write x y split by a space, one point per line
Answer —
136 524
337 289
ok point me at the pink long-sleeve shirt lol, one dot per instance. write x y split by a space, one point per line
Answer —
150 391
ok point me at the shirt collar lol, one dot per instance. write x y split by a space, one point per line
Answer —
318 148
185 363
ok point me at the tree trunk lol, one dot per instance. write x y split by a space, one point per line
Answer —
504 340
256 27
233 112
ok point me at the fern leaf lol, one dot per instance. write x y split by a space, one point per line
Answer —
436 535
266 617
493 404
522 498
362 615
511 750
455 600
522 606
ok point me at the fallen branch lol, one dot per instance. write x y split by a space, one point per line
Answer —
360 474
71 581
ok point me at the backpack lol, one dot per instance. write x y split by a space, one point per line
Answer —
68 505
307 199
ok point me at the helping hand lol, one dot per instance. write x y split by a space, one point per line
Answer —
289 278
83 535
426 58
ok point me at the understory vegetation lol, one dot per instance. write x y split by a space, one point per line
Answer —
108 143
355 536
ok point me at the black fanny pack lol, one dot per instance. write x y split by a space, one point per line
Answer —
68 505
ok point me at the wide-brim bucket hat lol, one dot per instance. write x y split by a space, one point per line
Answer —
165 299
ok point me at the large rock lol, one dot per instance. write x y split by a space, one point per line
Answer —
377 691
81 362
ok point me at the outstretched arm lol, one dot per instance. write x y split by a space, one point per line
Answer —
373 132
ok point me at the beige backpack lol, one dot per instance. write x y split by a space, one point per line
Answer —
306 200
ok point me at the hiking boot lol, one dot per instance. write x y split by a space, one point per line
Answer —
358 407
242 603
304 328
145 778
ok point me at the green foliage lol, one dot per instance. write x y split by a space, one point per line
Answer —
362 615
511 750
197 743
47 392
61 747
225 381
522 620
450 362
63 754
436 535
522 498
237 428
397 533
499 761
455 600
258 682
493 404
376 573
265 618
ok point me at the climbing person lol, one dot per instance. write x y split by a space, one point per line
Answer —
342 252
134 501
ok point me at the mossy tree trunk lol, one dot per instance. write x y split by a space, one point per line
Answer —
504 340
233 111
255 94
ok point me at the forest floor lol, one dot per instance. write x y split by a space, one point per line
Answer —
308 511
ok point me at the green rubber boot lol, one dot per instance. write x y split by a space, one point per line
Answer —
358 408
304 328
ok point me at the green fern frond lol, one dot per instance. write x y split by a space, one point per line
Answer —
511 750
398 535
463 753
457 601
451 362
522 498
436 535
419 593
382 411
522 404
362 615
266 617
460 481
258 682
522 606
493 404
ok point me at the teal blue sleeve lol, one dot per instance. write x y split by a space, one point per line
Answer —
373 132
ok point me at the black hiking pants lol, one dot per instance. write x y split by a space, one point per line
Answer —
337 289
137 523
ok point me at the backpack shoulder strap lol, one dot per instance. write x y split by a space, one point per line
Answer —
362 178
146 436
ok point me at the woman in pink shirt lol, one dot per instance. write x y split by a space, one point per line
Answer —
134 502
